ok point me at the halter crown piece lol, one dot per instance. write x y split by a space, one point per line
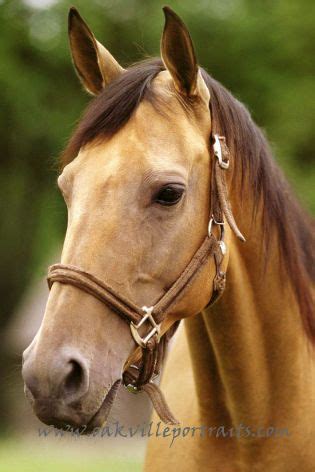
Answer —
139 375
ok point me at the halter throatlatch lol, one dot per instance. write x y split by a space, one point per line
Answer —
139 375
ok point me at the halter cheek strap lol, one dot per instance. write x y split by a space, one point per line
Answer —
139 375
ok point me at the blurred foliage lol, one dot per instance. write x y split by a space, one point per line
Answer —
262 50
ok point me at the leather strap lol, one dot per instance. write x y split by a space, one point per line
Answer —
70 274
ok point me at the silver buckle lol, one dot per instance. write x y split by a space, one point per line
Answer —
213 220
221 243
154 331
218 152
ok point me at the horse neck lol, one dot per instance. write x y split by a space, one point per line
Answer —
254 348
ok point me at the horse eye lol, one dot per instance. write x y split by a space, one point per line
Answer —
169 195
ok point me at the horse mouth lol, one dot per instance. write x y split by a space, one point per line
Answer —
100 417
53 414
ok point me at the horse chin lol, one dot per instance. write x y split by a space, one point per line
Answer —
55 414
100 417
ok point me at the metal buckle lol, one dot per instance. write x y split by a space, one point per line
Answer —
221 242
219 223
154 331
218 152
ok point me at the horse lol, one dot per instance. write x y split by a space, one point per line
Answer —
162 170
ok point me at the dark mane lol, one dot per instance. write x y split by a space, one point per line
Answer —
108 112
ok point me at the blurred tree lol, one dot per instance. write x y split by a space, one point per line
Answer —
261 50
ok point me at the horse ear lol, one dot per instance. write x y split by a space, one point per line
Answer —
95 66
178 53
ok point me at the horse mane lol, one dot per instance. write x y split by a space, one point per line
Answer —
111 109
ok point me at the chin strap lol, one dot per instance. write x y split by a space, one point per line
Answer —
139 376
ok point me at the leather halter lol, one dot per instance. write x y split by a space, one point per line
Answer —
139 375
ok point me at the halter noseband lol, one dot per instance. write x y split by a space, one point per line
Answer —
139 375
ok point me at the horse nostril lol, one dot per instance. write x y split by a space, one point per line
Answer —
75 379
64 377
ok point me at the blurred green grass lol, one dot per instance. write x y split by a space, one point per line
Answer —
20 456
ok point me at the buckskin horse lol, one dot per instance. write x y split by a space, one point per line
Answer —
162 171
